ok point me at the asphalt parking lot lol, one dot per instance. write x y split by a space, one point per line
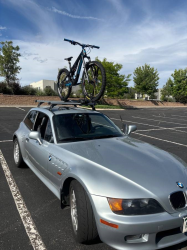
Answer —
164 128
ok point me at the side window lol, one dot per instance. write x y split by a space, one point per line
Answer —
30 119
48 133
41 123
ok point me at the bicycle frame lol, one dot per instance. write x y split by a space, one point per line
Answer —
78 63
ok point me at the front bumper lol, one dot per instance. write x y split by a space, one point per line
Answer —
163 229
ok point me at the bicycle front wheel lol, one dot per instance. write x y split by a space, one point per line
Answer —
93 81
63 78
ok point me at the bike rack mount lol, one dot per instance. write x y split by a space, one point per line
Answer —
67 103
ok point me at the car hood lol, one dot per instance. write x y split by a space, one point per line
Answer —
145 165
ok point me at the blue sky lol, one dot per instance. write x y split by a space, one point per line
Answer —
130 32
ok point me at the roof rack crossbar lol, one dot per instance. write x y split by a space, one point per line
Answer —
74 103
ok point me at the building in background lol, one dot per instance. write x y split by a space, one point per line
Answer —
42 84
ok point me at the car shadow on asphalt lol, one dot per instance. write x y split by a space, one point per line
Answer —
181 246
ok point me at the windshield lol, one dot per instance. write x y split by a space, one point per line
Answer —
84 126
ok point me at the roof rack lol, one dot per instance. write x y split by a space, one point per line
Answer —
68 102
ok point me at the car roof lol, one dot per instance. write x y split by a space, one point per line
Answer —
63 110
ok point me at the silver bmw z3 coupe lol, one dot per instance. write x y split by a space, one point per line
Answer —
129 193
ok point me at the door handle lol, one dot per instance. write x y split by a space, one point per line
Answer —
27 139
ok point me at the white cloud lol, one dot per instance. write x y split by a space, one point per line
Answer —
2 28
74 16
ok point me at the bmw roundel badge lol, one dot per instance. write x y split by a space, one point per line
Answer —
179 184
50 157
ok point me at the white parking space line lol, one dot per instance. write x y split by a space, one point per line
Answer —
20 108
161 139
159 128
28 223
156 120
134 122
179 115
164 129
6 141
166 117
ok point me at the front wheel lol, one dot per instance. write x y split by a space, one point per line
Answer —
63 79
18 159
82 216
93 81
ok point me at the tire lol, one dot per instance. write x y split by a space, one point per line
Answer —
63 92
18 159
85 231
96 74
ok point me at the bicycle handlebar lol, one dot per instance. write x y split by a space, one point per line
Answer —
83 45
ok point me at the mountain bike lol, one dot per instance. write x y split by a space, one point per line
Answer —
93 79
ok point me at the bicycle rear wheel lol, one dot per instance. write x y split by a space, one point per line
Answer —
63 91
93 81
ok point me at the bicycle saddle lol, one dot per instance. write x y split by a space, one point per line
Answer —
68 59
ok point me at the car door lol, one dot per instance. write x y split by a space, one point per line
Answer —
56 165
38 154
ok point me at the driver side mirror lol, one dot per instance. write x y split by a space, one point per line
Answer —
35 135
127 129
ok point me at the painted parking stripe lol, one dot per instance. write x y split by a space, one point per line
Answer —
20 108
25 215
137 123
147 124
156 120
159 128
6 141
179 115
166 117
176 143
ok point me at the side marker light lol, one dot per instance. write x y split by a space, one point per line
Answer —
109 224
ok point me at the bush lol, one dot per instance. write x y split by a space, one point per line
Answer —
182 99
16 88
129 96
167 99
40 93
50 92
5 89
28 90
153 96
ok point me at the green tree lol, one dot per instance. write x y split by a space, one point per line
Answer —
146 80
180 85
116 83
167 90
9 59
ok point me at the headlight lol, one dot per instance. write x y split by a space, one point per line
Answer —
135 207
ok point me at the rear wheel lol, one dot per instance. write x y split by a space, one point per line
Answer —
63 78
82 217
94 81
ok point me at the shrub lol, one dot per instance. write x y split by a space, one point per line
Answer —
5 89
16 88
40 92
50 92
28 90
